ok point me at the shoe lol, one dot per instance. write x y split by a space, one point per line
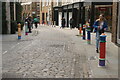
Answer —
97 51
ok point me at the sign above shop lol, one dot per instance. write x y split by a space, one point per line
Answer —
70 7
65 7
76 5
56 9
102 8
87 3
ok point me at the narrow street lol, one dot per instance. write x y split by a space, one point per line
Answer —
51 52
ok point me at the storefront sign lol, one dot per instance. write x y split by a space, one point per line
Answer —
56 9
76 5
70 6
87 3
102 8
65 7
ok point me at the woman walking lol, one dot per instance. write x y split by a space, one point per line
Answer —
100 26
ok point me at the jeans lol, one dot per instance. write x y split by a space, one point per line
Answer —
97 39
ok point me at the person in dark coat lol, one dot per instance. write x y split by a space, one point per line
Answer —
63 22
36 21
71 23
29 20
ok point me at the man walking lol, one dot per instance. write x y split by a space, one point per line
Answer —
71 23
36 21
63 22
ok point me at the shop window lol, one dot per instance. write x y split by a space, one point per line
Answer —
107 11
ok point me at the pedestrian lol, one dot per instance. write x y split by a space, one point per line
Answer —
100 25
36 21
71 23
29 20
32 23
42 21
63 22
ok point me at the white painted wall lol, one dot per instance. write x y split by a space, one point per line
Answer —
59 18
70 16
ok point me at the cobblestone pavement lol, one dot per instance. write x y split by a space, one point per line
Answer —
46 53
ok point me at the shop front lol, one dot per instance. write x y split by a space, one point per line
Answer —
107 11
57 15
64 14
78 14
98 8
69 11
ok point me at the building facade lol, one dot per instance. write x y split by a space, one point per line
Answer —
35 9
82 11
47 12
30 9
27 9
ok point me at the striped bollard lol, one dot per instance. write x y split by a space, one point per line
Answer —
19 31
26 28
84 34
102 50
88 35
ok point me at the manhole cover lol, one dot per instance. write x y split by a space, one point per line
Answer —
57 46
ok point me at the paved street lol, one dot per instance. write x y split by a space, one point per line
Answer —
51 52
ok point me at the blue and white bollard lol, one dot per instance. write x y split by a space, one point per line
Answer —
88 35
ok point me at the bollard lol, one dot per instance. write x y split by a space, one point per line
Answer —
26 28
19 31
88 34
84 34
80 29
102 50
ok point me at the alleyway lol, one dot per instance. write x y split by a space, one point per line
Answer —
51 52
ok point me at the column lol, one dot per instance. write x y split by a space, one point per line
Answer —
92 15
67 17
8 17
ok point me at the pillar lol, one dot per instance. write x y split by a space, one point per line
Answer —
67 17
8 17
92 15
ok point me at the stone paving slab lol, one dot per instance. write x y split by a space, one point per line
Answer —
57 53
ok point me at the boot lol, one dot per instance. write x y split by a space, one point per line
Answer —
97 51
